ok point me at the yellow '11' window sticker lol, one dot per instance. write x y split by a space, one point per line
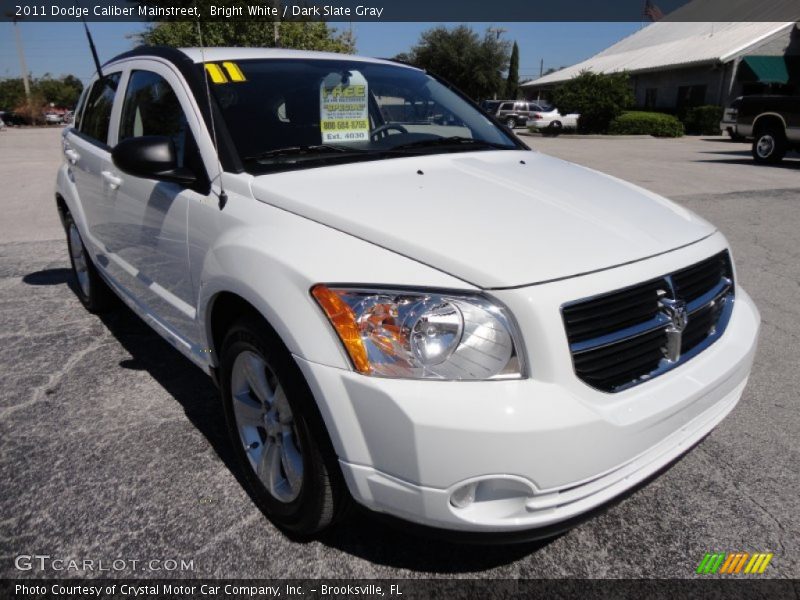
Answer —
343 108
218 74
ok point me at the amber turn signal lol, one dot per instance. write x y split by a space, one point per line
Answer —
343 320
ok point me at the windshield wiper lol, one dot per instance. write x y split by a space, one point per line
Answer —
302 151
455 141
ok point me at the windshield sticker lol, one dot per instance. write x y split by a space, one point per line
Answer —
343 108
234 72
218 75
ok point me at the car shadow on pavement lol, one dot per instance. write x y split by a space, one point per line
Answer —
371 538
721 140
739 152
50 277
362 534
743 156
787 163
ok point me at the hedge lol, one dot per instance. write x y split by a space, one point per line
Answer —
703 120
646 123
598 98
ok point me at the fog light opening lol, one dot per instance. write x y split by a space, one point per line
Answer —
464 496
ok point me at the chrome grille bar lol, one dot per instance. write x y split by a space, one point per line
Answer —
671 329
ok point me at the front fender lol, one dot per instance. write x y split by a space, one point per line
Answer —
273 258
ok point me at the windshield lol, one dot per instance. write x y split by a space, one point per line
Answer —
289 113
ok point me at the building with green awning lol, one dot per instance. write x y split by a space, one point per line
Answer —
770 70
676 64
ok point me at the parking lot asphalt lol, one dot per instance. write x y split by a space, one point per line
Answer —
112 444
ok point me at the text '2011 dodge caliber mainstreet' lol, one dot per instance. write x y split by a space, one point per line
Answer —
402 304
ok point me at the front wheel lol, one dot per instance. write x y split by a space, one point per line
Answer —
91 290
277 432
769 145
511 122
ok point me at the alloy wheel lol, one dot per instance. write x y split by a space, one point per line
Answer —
266 426
765 146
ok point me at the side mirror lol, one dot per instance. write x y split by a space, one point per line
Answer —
151 157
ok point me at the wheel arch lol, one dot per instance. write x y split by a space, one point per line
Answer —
766 119
225 308
62 208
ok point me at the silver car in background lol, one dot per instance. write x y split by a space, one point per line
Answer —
552 121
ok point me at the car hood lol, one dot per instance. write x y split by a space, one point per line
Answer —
491 218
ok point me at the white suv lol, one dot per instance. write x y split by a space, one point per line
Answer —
398 308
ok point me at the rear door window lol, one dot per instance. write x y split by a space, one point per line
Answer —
79 108
96 117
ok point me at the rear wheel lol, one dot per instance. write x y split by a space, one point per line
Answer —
91 290
511 122
277 432
769 145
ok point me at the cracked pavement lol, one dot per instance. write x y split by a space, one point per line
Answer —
112 444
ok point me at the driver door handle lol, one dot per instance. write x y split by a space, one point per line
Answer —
113 181
71 155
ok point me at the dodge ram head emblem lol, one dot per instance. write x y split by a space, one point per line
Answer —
675 310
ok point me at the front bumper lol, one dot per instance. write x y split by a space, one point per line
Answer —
728 127
544 449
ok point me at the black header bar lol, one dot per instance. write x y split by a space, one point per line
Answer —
450 11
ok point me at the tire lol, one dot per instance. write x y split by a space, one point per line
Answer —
555 128
769 145
278 434
90 288
511 122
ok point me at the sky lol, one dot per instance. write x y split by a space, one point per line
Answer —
61 48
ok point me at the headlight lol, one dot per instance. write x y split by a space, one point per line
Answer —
422 335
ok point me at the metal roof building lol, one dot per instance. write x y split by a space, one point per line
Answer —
674 64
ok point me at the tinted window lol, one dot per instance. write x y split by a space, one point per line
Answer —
650 97
152 108
97 115
285 113
691 95
79 108
507 106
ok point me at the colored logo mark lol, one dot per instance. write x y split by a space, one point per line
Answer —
733 563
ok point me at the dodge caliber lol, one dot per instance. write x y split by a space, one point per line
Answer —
402 307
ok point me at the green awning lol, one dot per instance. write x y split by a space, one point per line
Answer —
764 69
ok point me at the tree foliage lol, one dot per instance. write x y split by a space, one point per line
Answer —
63 92
12 93
301 35
512 81
599 99
474 64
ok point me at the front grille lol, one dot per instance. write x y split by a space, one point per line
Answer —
629 336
